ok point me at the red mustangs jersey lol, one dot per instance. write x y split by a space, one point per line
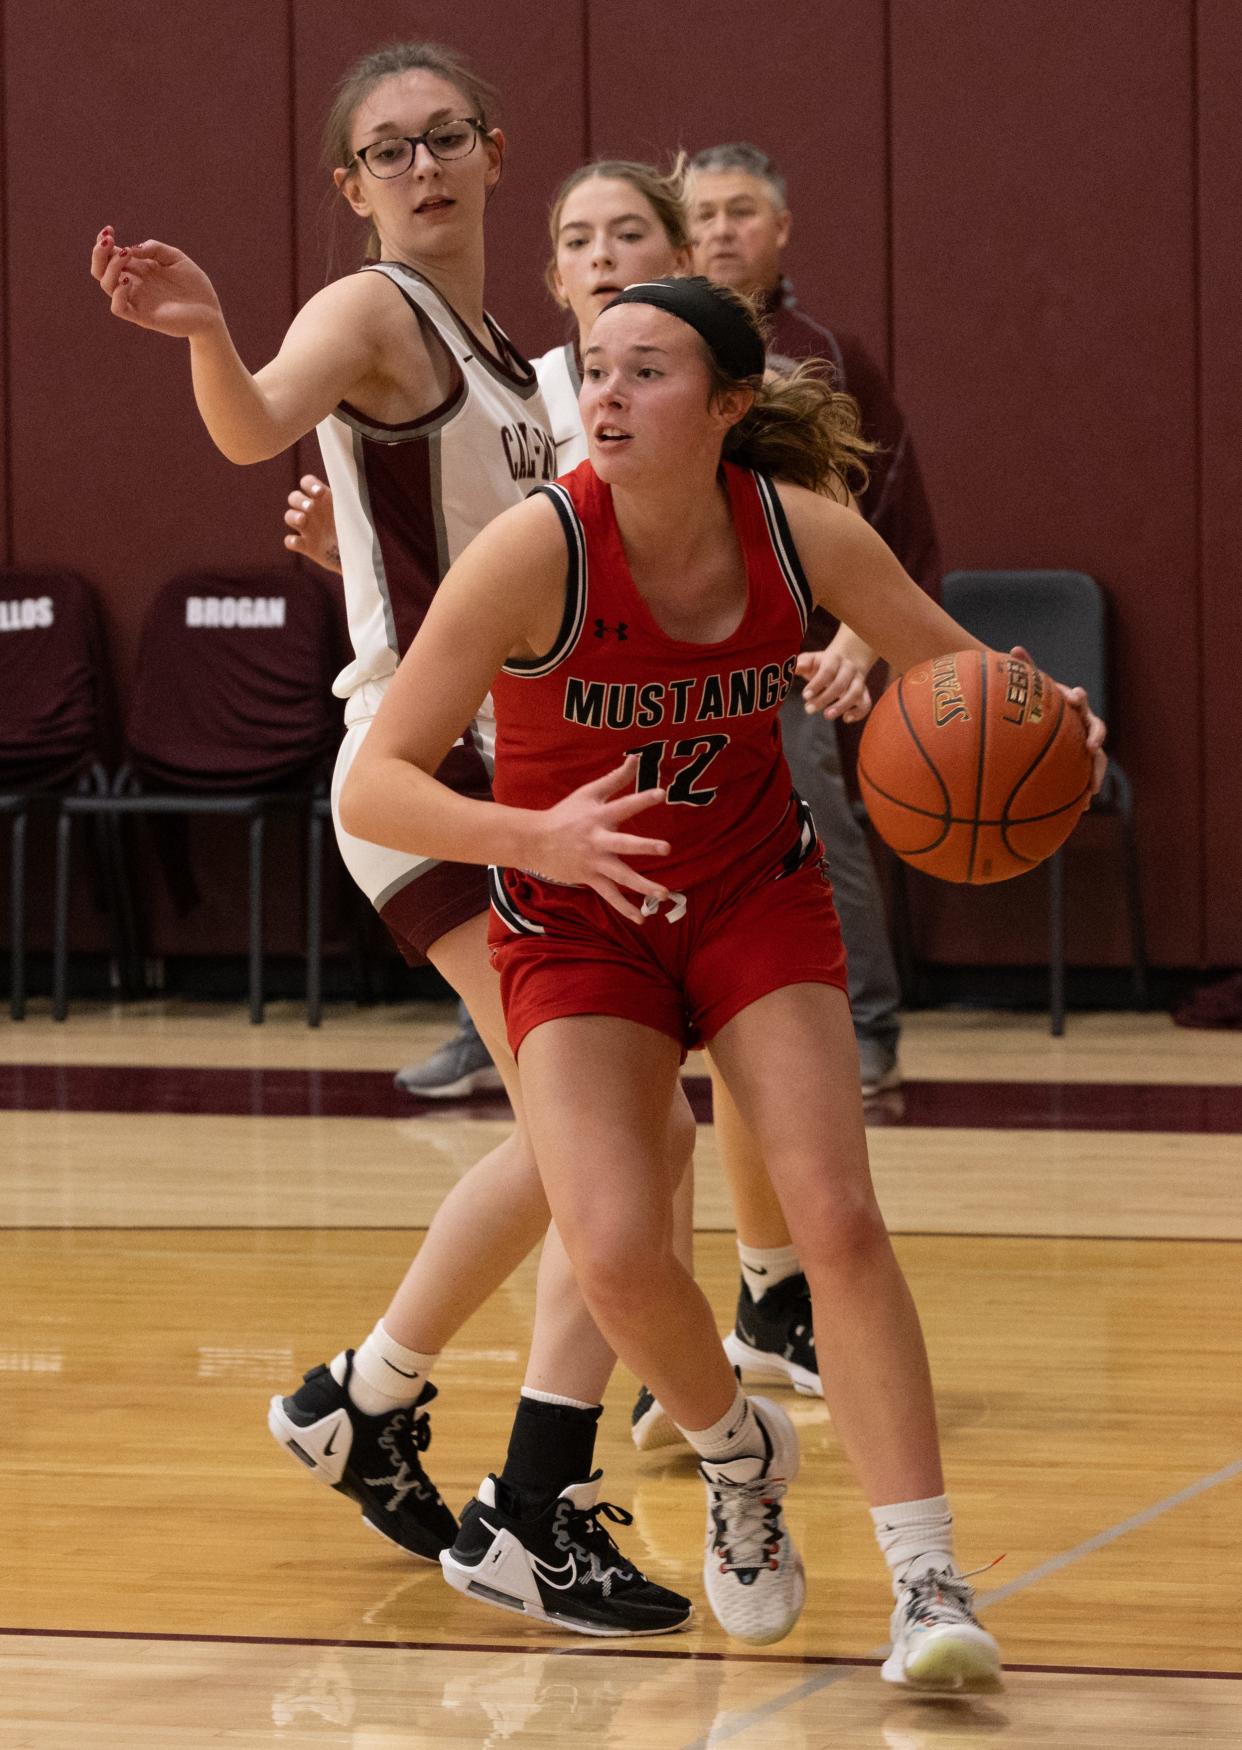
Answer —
702 718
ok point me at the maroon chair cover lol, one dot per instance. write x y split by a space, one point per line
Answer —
234 683
54 690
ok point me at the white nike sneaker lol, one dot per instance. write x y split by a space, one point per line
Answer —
937 1642
752 1573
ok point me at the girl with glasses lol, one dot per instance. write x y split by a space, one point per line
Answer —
431 425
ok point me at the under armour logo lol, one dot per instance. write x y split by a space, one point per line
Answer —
602 630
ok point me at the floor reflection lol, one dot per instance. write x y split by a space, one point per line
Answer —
620 1699
122 1693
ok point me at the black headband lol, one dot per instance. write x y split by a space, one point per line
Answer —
731 336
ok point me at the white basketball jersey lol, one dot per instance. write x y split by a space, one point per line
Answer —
409 498
560 383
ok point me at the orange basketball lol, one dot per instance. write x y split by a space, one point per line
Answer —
973 767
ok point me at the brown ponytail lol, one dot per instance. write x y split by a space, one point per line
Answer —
799 427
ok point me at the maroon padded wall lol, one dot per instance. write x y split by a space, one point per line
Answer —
1044 345
806 81
159 126
162 124
1036 227
5 278
1220 148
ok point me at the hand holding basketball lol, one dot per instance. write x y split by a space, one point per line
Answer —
976 766
1095 727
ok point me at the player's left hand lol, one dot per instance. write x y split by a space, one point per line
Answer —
312 524
1096 728
835 686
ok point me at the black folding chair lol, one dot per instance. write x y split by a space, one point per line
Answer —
55 699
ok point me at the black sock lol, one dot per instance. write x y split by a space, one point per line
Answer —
551 1446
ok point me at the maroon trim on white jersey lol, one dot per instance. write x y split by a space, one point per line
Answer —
409 546
410 496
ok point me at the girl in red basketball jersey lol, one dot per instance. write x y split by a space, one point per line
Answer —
613 222
431 424
647 627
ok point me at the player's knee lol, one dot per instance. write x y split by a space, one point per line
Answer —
614 1262
841 1235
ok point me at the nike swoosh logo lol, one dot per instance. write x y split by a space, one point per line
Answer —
330 1448
547 1572
756 1269
401 1370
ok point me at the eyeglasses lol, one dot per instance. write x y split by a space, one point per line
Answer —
447 140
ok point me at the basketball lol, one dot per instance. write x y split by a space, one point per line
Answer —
973 767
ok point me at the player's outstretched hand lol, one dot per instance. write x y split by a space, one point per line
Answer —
581 842
1096 728
835 686
312 524
155 286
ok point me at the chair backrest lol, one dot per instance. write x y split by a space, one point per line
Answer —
54 684
234 684
1059 616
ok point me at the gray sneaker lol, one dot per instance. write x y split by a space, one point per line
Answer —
878 1067
461 1066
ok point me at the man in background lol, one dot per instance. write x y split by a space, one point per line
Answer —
740 226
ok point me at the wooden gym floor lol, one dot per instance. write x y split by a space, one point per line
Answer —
192 1211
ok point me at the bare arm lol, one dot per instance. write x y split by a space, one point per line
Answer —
391 796
334 343
858 579
836 677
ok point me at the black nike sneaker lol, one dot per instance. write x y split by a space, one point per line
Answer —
774 1337
372 1459
560 1566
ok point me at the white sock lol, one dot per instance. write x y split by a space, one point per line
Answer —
915 1536
386 1376
736 1435
764 1266
550 1397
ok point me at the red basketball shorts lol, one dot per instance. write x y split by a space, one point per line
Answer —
768 922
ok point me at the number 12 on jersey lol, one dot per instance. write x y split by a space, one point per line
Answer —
679 786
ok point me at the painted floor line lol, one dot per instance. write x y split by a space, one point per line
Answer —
728 1728
1103 1538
